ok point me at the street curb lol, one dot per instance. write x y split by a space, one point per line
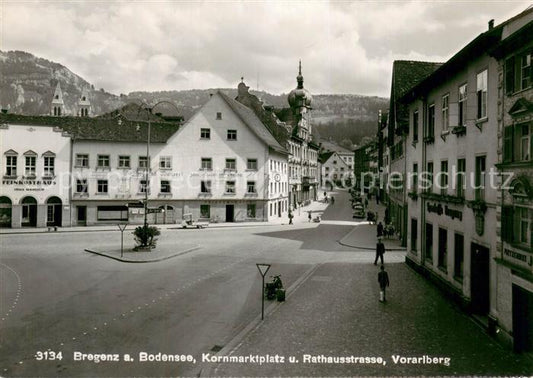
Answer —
141 261
236 341
373 248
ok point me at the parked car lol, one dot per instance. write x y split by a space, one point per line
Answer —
188 222
358 211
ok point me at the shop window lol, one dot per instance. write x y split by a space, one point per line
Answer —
429 242
414 234
250 210
443 249
205 211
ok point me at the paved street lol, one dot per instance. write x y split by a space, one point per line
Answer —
55 297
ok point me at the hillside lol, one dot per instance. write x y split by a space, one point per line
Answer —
27 84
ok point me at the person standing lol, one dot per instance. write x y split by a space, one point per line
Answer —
383 279
380 250
309 216
290 217
380 229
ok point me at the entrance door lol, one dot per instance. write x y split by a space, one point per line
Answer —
522 319
29 212
480 279
54 211
230 213
82 215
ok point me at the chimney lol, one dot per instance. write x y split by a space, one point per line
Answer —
491 24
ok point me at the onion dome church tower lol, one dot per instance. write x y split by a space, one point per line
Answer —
300 102
57 108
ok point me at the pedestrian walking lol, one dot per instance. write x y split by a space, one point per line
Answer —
290 217
383 279
309 216
380 251
380 229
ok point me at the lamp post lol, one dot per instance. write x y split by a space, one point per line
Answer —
144 106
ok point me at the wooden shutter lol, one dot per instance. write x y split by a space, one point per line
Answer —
509 75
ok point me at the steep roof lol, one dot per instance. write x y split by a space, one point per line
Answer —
249 117
323 157
117 129
405 75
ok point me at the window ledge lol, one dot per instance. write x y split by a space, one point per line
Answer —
123 168
10 177
205 194
249 194
163 195
81 166
230 194
29 177
480 122
81 195
101 194
459 130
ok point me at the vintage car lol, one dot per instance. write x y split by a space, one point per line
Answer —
188 222
358 211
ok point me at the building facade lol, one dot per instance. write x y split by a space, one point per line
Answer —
453 184
335 171
514 257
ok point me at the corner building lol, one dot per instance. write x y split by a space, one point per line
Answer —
454 196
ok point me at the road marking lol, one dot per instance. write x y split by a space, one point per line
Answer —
19 290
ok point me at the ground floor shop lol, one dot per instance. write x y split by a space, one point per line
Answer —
86 213
31 211
450 244
303 194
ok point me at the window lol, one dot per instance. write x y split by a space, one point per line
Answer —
327 169
49 165
165 162
205 133
82 160
143 162
207 164
232 134
415 126
250 210
415 177
102 186
251 164
443 247
459 256
518 142
81 186
443 177
480 178
460 178
429 242
230 187
205 211
525 142
414 234
219 115
123 161
29 169
524 225
462 105
142 186
518 73
251 186
165 186
481 94
205 186
429 177
430 132
11 165
445 112
231 164
103 161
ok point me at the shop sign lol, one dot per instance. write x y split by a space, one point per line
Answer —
437 208
29 185
516 255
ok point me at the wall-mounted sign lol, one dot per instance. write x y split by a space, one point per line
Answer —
437 208
515 255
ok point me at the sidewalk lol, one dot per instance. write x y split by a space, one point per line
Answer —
364 236
160 253
300 216
335 313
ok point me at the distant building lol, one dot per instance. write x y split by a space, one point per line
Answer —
84 104
57 107
365 168
335 172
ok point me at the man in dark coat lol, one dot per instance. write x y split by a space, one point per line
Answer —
383 279
380 250
380 229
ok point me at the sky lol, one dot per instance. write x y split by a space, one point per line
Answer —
344 46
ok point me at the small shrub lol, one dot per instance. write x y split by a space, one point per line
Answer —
145 237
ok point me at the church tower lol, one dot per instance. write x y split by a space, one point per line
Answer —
58 106
300 102
84 105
